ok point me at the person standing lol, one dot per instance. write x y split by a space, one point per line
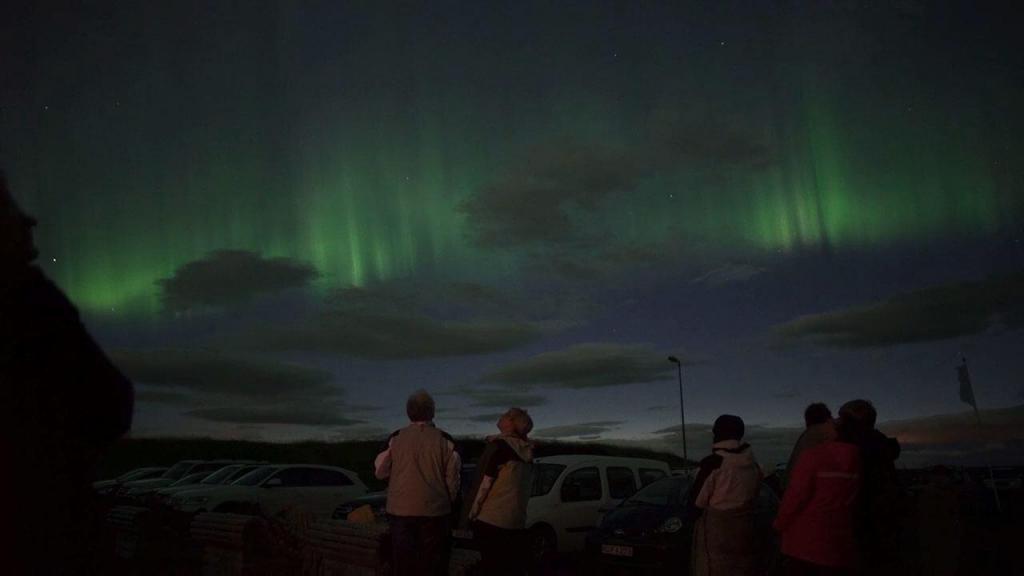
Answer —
498 511
724 541
62 402
816 517
820 428
422 469
878 522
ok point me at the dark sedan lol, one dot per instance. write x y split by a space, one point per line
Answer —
650 532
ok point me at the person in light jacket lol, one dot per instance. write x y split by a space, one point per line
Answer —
724 542
498 511
422 469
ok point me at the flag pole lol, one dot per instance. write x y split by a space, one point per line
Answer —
967 395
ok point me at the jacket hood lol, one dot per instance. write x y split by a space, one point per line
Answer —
733 452
523 448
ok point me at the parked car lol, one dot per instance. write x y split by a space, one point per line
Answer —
270 489
651 531
571 492
111 485
225 475
140 488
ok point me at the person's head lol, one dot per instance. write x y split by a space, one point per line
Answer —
16 244
817 413
728 427
856 420
515 421
420 406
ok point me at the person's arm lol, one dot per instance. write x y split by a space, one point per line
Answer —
453 472
382 463
798 492
501 454
707 466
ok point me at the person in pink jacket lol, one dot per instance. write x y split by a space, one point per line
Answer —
817 514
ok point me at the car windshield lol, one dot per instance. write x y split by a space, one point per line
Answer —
134 475
544 478
661 493
219 476
255 477
190 479
242 471
178 471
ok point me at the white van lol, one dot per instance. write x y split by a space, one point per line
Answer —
570 493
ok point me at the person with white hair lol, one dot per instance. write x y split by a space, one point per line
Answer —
502 491
422 468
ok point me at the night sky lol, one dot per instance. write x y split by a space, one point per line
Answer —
282 218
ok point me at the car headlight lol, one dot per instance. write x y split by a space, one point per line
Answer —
670 525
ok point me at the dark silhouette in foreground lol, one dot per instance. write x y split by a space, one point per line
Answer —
62 403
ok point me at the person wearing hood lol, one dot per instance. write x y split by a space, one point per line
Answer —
498 513
724 541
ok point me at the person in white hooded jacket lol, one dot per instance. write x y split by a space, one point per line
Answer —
498 511
724 542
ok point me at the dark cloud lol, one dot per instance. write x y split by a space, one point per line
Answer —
589 365
359 432
931 314
391 336
485 418
998 425
728 274
574 430
532 202
210 372
462 301
304 414
151 395
500 399
536 199
408 319
227 277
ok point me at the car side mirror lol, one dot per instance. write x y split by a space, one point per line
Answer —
272 483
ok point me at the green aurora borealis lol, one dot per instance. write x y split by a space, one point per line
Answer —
356 158
362 215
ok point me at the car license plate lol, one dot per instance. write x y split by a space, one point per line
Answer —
613 550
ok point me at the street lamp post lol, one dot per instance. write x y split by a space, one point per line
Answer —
682 413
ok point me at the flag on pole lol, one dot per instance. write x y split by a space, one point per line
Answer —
966 390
